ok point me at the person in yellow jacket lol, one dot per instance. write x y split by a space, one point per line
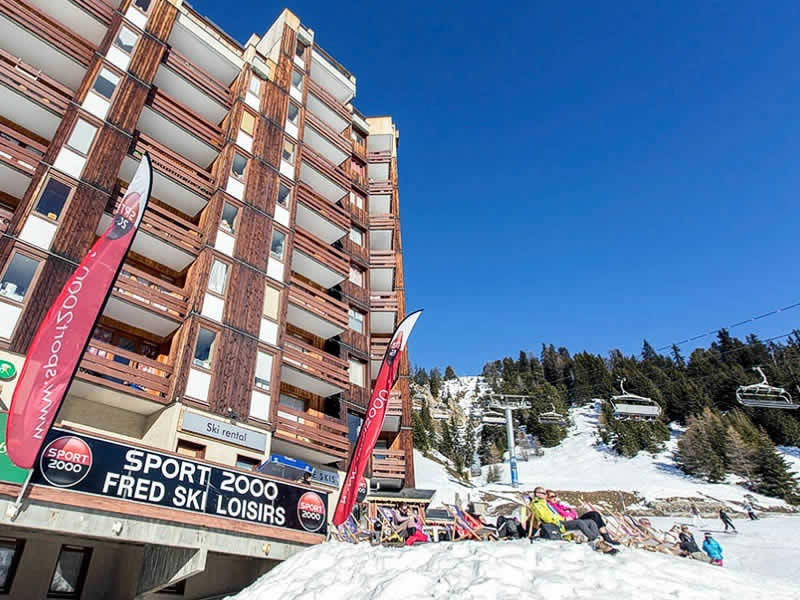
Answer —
542 514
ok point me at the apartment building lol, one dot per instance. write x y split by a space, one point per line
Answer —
249 318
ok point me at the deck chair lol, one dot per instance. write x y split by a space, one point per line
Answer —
391 533
467 527
352 532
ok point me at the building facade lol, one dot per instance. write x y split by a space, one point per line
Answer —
249 318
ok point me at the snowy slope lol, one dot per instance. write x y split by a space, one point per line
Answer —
580 464
512 570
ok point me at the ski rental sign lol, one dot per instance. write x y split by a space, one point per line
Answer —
99 467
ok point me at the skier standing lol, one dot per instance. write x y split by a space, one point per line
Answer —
726 520
749 510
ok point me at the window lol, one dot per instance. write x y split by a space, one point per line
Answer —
70 573
255 85
294 113
292 403
106 83
283 195
357 136
357 370
356 320
204 348
263 370
228 222
357 236
278 244
356 276
297 80
248 123
272 298
82 136
216 280
18 277
354 423
10 553
53 198
300 50
288 151
190 449
358 200
126 40
143 5
246 463
238 166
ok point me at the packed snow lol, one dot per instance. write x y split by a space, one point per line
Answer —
582 463
546 570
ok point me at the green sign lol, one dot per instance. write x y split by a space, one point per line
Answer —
8 470
7 370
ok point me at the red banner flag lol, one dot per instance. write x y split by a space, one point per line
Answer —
376 410
59 343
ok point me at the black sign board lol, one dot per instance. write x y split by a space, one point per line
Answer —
91 465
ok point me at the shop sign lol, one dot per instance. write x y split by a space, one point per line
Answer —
90 465
8 470
7 370
226 432
325 477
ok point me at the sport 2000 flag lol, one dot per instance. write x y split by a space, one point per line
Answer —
376 410
61 339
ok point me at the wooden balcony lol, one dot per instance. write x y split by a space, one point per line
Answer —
356 292
317 432
312 369
360 149
394 412
359 180
317 261
123 375
33 84
382 259
359 253
388 464
332 212
359 396
379 156
198 76
148 291
315 311
334 137
333 172
19 151
186 118
383 302
329 100
99 9
48 30
380 187
358 215
382 221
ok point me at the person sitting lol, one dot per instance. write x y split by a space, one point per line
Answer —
688 546
571 514
549 520
713 549
510 528
404 520
416 536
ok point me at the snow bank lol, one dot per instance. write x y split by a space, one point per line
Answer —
489 570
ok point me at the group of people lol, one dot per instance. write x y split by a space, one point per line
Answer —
712 551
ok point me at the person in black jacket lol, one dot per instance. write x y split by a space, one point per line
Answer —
689 547
726 520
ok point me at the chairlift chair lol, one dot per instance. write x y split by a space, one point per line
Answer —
763 395
628 406
493 419
551 417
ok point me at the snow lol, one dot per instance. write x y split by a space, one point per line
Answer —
546 570
582 463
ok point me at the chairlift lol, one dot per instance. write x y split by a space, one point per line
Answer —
551 417
490 418
628 406
763 395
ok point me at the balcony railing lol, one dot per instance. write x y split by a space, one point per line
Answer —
326 254
382 221
125 371
151 292
198 76
314 431
380 186
99 9
359 215
315 362
318 302
335 137
389 464
187 119
360 253
359 179
382 259
175 166
328 99
356 292
168 226
20 151
360 149
333 172
333 212
383 301
359 396
48 29
34 84
379 156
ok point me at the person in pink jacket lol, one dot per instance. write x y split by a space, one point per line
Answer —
569 513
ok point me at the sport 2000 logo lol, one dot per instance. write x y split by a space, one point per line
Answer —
65 461
311 511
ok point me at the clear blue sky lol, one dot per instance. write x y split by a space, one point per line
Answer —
587 174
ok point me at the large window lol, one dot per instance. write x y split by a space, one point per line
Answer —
272 298
356 320
356 276
283 195
248 123
288 151
82 137
300 50
263 370
18 277
297 80
358 371
126 40
356 236
70 573
228 221
278 246
238 167
293 116
255 85
217 278
204 349
354 423
10 553
358 200
53 198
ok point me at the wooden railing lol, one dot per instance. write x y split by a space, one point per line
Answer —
389 464
377 347
359 215
19 151
333 212
99 9
33 83
360 253
188 119
125 371
359 396
48 29
382 259
320 251
380 187
327 168
318 302
383 301
360 149
201 79
314 431
335 137
168 226
329 100
382 221
146 290
356 292
175 166
379 156
315 362
360 179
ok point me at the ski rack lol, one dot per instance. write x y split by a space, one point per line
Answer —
763 395
629 406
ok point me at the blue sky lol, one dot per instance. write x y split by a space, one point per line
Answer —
584 175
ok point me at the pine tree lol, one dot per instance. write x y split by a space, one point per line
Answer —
421 439
449 373
435 382
740 455
772 474
678 357
447 440
421 377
